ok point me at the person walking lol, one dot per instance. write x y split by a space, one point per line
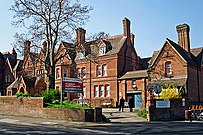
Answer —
121 107
130 103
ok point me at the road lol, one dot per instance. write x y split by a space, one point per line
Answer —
119 123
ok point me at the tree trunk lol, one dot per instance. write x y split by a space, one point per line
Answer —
52 78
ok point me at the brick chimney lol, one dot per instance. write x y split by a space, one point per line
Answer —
80 36
26 47
44 46
183 36
126 27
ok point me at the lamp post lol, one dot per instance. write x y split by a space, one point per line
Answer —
150 95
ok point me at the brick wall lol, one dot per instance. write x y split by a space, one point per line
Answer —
175 112
33 107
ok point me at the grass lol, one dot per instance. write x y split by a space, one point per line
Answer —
66 104
142 113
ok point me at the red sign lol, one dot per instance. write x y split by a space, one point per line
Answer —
72 85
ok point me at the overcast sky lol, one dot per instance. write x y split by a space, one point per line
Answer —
152 21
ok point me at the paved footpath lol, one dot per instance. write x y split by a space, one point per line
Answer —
126 116
112 115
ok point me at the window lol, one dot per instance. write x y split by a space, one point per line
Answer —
81 55
101 91
78 72
6 79
96 90
9 78
62 60
98 70
168 68
134 84
65 72
104 70
83 73
57 73
107 90
102 50
84 92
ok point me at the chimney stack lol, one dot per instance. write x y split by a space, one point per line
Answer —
126 27
44 46
26 47
80 35
183 36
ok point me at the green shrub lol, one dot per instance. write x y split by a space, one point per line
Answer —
21 94
50 95
142 113
66 104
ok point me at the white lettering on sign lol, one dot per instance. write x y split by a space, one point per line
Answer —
163 103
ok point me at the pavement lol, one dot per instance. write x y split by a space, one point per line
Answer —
112 115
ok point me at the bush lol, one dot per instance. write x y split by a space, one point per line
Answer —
50 95
21 94
66 104
142 113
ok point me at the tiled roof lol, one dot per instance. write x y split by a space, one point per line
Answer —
18 65
186 55
190 58
13 84
29 82
173 81
113 44
144 62
135 75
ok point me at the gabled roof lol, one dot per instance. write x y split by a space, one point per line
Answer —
186 56
14 84
113 44
134 75
29 82
18 65
144 62
9 64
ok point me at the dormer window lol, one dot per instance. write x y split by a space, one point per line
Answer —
81 55
102 50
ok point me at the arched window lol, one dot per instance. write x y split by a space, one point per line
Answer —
83 72
168 68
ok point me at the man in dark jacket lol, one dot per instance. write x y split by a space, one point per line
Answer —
121 104
130 103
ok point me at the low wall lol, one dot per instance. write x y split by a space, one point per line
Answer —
97 102
176 111
34 107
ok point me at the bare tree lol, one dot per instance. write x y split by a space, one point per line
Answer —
51 21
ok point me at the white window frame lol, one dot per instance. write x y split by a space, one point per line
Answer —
168 68
99 70
78 72
81 55
101 87
102 50
107 90
65 71
83 72
104 70
96 91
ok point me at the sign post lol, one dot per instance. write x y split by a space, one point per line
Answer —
71 85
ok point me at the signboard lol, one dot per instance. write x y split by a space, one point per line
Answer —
163 103
72 85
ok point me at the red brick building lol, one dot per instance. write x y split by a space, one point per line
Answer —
102 62
180 65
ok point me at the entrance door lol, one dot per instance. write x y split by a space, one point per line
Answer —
138 100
